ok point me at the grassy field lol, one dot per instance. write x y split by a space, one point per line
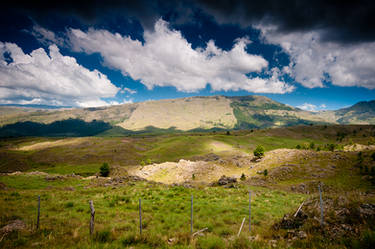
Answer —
64 223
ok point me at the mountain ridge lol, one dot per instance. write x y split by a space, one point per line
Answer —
197 112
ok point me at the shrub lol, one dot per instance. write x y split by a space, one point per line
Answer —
193 176
228 133
143 163
104 170
312 145
298 147
149 161
331 147
265 172
259 151
243 177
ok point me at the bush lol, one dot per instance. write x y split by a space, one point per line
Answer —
312 145
331 147
259 151
104 170
243 177
265 172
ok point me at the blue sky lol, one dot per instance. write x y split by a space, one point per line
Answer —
74 58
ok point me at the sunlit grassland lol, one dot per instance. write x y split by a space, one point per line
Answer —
58 156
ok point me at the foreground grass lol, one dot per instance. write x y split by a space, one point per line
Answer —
166 213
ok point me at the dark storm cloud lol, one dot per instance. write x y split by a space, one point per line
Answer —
345 21
96 11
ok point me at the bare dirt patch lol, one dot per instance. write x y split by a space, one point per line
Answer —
49 144
359 147
182 171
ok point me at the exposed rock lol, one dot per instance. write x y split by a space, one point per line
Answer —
54 178
367 211
224 180
291 222
15 225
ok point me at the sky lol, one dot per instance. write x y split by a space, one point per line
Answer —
314 55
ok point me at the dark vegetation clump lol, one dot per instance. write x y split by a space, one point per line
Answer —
68 127
243 177
104 170
259 151
103 236
265 172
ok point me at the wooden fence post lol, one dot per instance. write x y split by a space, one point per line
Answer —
249 211
321 207
191 215
92 220
243 221
38 217
140 216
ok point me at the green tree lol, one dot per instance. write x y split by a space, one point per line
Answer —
259 151
104 170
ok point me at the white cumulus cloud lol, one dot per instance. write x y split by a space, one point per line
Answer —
49 79
308 107
166 58
313 61
45 36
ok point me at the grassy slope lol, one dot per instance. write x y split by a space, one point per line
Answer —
123 151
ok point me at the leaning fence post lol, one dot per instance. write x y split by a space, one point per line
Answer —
249 211
191 215
140 216
38 217
243 221
92 217
321 207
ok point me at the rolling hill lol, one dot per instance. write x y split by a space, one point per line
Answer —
186 114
